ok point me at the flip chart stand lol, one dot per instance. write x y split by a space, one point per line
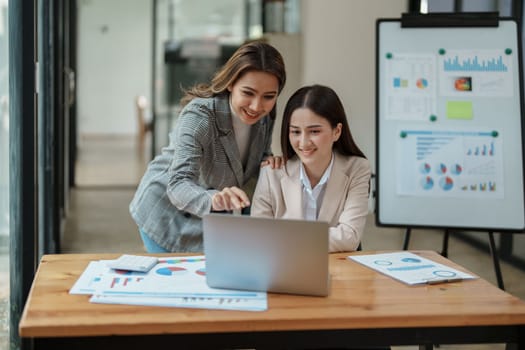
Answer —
413 37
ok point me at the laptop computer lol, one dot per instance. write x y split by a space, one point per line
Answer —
263 254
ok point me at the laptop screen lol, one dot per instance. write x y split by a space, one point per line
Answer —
263 254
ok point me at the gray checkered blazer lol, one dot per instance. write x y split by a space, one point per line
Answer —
201 159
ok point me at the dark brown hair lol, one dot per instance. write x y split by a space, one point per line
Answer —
324 102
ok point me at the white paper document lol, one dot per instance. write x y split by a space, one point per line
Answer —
411 268
225 303
174 281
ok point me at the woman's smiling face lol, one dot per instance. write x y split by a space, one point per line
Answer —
312 137
253 96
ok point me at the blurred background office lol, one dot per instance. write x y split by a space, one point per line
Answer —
77 131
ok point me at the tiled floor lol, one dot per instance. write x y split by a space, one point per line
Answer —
99 221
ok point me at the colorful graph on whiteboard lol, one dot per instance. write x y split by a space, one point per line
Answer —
465 163
476 73
412 86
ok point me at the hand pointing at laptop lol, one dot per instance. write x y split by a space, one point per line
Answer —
230 198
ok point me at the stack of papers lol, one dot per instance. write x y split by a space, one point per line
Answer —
174 281
411 268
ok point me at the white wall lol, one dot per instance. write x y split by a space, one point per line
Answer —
339 51
289 45
114 64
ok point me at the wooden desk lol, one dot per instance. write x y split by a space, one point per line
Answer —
364 308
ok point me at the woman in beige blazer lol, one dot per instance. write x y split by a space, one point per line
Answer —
326 176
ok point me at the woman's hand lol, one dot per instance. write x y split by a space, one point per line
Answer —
275 162
230 198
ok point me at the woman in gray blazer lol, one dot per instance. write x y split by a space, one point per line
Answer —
326 176
221 139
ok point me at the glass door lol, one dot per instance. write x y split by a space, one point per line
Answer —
192 38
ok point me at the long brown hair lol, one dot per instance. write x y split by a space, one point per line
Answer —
252 56
324 102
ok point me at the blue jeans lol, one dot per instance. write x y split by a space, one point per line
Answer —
150 245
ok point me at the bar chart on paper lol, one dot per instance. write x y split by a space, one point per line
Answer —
173 282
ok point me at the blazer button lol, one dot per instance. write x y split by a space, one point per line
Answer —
187 215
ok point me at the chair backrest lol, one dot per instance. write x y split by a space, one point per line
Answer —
141 103
144 126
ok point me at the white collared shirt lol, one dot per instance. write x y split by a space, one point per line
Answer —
313 197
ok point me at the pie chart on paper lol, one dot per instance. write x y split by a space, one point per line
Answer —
422 83
171 270
457 169
427 183
446 183
441 169
425 168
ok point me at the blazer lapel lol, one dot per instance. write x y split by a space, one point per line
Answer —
256 146
293 191
332 197
227 138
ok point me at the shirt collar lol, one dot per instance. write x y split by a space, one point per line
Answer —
326 175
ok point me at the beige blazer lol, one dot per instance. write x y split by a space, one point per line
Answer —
345 204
